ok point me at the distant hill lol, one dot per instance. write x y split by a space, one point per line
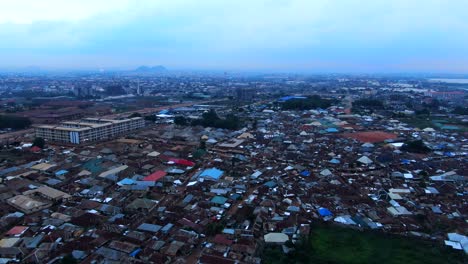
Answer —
153 69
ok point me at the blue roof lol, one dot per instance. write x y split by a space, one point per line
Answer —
145 183
293 208
61 172
126 181
235 196
5 171
335 161
305 173
324 211
228 231
135 252
149 227
331 130
167 227
290 97
93 166
270 184
289 231
53 182
188 198
164 112
449 127
219 200
212 173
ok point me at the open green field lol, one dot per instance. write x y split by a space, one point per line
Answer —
332 244
436 123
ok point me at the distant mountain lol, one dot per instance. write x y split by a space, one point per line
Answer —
154 69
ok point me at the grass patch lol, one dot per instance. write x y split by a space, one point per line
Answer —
332 244
422 122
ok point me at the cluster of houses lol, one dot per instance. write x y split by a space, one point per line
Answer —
182 194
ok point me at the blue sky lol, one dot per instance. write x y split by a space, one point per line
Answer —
282 35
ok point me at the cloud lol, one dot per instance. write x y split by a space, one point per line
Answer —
237 34
31 11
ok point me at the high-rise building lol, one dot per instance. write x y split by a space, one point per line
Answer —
245 94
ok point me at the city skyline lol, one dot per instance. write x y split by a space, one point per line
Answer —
290 35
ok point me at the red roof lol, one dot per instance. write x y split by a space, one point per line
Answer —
17 230
183 162
35 149
155 176
221 239
211 259
186 222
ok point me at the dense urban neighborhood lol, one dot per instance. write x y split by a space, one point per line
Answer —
153 166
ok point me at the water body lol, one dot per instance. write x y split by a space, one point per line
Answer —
458 81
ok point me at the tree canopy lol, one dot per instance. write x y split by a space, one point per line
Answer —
134 115
460 110
370 103
14 122
211 119
150 118
308 103
68 259
416 146
39 142
180 120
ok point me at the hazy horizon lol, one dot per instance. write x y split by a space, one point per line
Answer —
267 35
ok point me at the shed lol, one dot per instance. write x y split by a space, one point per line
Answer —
365 160
213 174
219 200
324 212
276 238
326 172
157 175
149 227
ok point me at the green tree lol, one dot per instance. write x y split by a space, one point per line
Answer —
202 144
416 146
68 259
308 103
214 228
180 121
14 122
423 112
151 118
460 110
211 119
39 142
134 115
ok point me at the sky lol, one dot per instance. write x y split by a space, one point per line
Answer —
244 35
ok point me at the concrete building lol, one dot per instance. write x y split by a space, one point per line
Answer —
245 94
28 204
88 129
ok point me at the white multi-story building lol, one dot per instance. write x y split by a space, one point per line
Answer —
88 129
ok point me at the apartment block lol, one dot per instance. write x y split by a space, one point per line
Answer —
88 129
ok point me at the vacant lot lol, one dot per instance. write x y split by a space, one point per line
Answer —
370 136
332 244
